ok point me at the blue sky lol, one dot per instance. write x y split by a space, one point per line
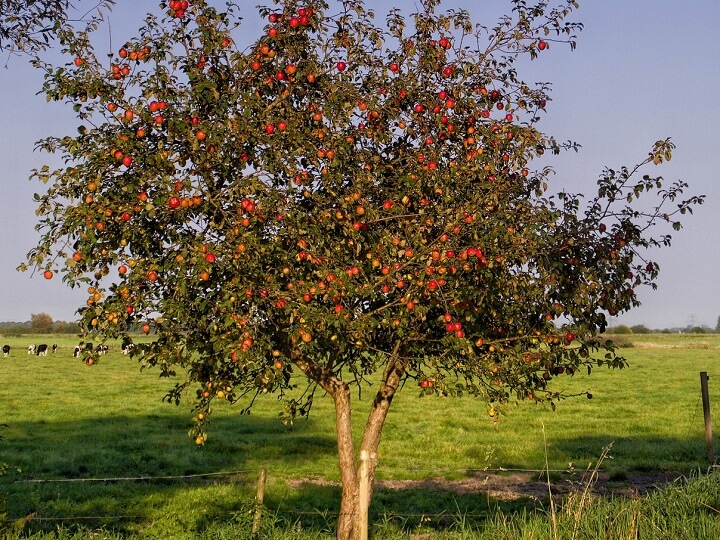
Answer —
643 70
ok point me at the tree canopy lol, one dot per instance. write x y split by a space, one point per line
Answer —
31 26
41 323
340 202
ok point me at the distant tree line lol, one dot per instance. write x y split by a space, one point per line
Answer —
39 323
642 329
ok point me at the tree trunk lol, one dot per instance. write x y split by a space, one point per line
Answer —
348 524
372 433
348 520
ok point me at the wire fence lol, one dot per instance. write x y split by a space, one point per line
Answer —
147 478
249 506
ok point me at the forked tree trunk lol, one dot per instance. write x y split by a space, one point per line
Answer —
348 521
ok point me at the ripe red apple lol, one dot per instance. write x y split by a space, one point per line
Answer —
542 45
394 67
48 274
341 66
127 161
448 71
174 202
210 257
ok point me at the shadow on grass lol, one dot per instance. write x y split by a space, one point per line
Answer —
157 445
631 453
144 469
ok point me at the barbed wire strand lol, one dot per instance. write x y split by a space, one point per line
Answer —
133 478
249 471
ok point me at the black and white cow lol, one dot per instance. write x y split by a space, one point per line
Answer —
126 348
102 349
54 348
41 350
6 350
31 349
77 351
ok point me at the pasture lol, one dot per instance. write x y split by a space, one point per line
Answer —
94 448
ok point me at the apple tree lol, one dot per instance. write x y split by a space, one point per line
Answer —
337 202
31 26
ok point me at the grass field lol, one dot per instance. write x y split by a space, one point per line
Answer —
68 421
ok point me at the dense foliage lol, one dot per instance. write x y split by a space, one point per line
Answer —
343 199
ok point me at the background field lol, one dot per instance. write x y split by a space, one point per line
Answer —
68 421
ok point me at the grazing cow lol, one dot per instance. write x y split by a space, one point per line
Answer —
41 350
6 350
102 349
54 348
77 351
31 349
126 348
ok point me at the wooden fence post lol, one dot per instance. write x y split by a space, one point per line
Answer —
260 495
364 495
706 413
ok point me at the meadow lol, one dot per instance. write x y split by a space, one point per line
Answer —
94 452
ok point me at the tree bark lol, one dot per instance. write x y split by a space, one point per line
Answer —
348 519
372 433
348 524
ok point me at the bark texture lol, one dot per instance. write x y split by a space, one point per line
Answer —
348 520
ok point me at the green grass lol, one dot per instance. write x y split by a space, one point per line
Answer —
70 421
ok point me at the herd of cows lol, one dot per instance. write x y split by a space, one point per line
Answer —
43 348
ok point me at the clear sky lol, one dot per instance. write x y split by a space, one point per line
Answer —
643 70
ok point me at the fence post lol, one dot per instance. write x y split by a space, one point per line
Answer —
364 495
260 495
706 413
